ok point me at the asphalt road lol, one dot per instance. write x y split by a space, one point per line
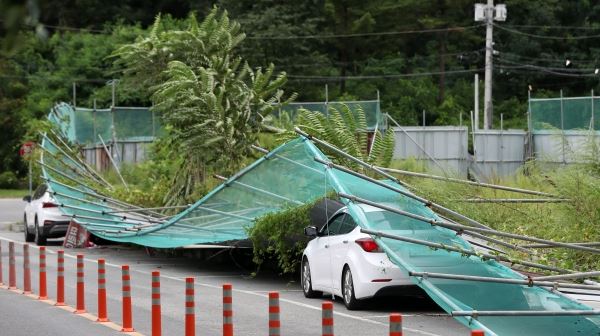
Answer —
299 316
11 211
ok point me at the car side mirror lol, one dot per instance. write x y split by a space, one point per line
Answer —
310 231
27 199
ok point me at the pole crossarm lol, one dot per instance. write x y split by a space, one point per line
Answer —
464 251
525 313
459 227
530 282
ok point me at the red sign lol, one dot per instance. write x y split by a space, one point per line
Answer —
77 236
26 148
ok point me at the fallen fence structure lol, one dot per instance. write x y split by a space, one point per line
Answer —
298 172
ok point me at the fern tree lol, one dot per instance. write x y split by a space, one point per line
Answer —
347 130
210 99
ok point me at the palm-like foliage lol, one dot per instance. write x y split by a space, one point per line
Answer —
210 99
347 130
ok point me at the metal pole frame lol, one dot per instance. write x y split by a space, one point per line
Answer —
473 183
113 162
523 313
459 227
514 200
529 282
227 184
480 255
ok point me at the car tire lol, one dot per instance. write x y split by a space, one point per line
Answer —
39 239
350 300
306 281
29 237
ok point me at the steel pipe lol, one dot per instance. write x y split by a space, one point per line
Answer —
525 282
514 200
402 192
590 244
258 190
473 183
465 228
524 313
268 154
463 251
579 275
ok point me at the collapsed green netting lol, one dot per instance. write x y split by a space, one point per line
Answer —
289 176
371 108
569 114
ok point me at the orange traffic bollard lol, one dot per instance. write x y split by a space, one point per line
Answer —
26 270
274 323
102 315
12 270
43 287
190 310
127 314
395 324
80 309
60 279
327 318
156 314
477 333
227 310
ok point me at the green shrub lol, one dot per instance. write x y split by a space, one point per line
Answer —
280 235
8 180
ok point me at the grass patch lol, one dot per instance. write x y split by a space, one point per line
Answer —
13 193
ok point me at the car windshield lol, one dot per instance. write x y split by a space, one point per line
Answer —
385 220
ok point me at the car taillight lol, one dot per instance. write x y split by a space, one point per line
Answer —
368 245
49 205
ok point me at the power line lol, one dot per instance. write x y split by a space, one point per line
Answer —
552 27
391 76
405 32
514 31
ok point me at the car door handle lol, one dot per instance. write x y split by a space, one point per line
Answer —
345 242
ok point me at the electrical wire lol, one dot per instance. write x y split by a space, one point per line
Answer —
418 74
518 32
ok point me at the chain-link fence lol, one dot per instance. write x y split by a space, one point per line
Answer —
86 126
577 113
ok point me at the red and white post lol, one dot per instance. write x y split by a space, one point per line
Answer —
26 270
274 323
127 313
227 310
80 309
102 313
156 310
395 324
60 279
327 318
190 309
12 270
43 286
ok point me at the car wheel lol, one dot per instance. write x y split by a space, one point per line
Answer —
28 236
307 281
40 239
350 300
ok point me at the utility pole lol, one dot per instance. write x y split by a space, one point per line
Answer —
489 13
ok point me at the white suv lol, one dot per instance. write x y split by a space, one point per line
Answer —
42 217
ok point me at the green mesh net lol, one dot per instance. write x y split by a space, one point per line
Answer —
86 126
580 113
371 108
289 176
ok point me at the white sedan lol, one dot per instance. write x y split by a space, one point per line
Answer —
345 262
42 217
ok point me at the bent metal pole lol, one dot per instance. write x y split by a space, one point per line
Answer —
525 282
473 183
464 251
467 228
426 202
